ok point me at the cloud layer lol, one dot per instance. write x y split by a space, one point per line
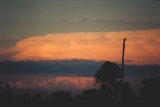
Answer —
143 47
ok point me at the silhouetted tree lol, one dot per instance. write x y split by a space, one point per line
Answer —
90 98
94 98
0 88
60 99
151 91
6 95
7 91
108 74
129 97
22 100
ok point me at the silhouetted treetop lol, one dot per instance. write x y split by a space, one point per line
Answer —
151 87
7 90
108 73
151 92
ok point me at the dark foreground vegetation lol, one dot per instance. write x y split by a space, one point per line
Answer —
113 93
149 97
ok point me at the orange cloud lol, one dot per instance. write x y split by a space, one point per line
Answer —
143 46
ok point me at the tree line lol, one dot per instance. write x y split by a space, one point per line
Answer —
113 93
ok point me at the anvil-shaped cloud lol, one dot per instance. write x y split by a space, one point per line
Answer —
143 47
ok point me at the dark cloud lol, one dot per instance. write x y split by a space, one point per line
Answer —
128 60
129 25
84 19
55 67
65 20
142 70
71 67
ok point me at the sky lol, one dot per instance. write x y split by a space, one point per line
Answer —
80 29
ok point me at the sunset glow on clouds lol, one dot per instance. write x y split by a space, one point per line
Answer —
143 47
56 83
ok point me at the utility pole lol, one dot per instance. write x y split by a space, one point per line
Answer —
122 78
123 51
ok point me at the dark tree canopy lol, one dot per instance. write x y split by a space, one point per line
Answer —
108 73
151 88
